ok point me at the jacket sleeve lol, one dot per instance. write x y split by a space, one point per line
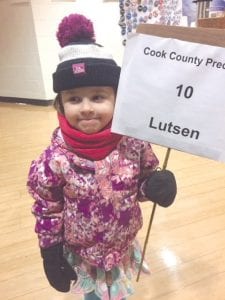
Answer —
149 162
45 184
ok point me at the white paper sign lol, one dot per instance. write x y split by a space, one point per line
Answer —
171 93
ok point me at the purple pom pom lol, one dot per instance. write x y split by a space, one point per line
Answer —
74 28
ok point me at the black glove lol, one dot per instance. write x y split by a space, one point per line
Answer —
161 187
57 270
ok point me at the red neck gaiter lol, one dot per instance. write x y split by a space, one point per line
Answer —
91 146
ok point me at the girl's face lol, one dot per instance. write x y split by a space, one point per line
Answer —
88 109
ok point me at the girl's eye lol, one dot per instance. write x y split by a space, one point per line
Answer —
75 100
98 98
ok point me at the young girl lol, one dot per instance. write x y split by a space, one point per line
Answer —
88 182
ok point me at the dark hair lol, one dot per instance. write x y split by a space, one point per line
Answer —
57 104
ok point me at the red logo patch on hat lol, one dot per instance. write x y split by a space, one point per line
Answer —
79 68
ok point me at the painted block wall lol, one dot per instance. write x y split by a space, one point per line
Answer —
29 49
20 70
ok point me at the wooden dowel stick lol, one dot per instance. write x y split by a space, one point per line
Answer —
151 219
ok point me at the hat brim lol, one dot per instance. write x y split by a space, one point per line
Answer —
101 74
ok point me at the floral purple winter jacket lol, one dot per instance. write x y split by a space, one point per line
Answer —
92 206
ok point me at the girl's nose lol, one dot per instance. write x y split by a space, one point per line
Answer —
87 106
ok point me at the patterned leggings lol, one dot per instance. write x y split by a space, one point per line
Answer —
92 296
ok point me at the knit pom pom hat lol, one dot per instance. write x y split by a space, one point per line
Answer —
82 61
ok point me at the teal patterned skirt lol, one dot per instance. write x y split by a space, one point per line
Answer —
97 280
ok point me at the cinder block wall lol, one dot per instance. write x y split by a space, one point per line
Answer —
20 69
